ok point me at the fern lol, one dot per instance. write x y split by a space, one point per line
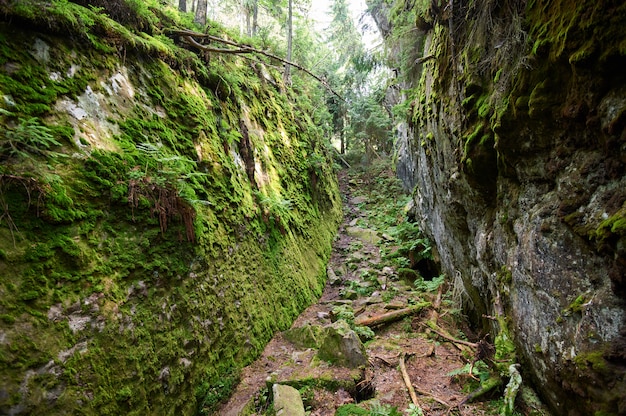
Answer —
429 285
28 137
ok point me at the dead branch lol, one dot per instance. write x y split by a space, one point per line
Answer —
391 316
189 35
442 333
407 382
485 387
432 396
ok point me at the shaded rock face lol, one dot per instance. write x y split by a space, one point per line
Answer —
516 149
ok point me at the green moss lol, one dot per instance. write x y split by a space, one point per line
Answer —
351 410
570 29
594 359
504 276
168 322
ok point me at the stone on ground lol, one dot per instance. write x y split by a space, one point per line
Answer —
287 401
342 346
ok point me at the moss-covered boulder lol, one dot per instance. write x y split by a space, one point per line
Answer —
341 346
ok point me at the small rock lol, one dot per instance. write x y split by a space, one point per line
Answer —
388 271
372 300
364 234
287 401
333 279
323 315
358 200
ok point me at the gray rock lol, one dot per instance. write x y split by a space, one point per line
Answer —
333 279
364 234
287 401
349 294
519 225
341 346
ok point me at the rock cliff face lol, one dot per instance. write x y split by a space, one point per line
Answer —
162 213
515 146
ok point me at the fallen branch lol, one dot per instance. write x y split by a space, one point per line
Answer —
391 316
407 382
485 387
432 396
439 331
189 35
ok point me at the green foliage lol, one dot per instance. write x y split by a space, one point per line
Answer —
351 410
414 410
429 286
28 137
94 246
378 409
480 371
211 395
346 313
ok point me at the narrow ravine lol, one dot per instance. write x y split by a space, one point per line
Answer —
380 265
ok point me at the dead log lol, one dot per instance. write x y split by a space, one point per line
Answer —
392 316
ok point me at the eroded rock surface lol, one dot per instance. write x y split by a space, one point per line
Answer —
516 149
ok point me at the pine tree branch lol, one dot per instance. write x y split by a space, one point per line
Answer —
189 36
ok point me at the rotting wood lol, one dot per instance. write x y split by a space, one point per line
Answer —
391 316
189 36
407 382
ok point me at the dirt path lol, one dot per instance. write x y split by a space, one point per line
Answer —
364 279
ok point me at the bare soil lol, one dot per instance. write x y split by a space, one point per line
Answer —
429 358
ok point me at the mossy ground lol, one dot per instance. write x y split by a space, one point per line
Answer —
143 266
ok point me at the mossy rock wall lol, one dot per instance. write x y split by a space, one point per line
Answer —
515 145
185 216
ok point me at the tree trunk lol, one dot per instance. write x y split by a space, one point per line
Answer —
201 12
287 75
344 123
182 6
255 18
